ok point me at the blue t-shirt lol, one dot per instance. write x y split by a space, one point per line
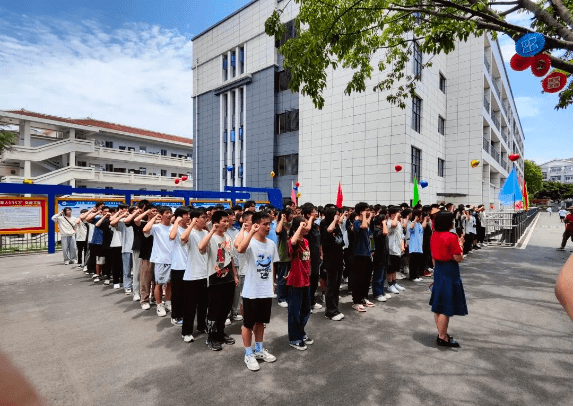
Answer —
362 243
272 234
416 238
98 236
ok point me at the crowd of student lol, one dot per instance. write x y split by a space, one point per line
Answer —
211 266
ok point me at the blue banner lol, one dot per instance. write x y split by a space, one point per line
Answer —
510 192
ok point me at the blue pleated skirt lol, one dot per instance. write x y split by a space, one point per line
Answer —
447 295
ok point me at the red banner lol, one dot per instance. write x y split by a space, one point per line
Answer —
20 215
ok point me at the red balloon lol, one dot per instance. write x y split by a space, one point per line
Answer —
177 180
520 63
554 82
541 65
514 157
398 168
184 178
297 184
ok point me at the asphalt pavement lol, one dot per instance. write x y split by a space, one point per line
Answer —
81 343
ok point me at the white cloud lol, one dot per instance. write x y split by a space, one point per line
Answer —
138 75
527 106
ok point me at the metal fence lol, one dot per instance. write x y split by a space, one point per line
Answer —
507 227
22 243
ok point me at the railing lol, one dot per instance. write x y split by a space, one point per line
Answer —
487 63
133 156
507 228
22 243
495 155
47 151
485 103
504 136
495 121
497 90
486 145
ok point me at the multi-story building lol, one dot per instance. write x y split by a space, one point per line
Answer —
558 170
93 154
464 111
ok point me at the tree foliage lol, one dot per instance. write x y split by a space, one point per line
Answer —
7 139
349 33
533 177
555 191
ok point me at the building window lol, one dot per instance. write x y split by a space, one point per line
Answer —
82 163
109 144
282 80
286 165
440 167
189 156
556 178
109 168
174 155
441 125
120 170
416 114
417 60
442 83
287 121
121 147
569 178
289 33
142 170
163 172
242 60
174 175
164 152
131 149
556 170
544 175
143 150
415 162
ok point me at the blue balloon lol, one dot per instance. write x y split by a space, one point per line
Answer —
530 44
230 168
424 184
295 188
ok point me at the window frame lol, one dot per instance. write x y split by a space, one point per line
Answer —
442 83
440 125
417 60
416 113
416 166
441 167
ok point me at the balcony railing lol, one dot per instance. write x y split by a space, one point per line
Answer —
487 63
486 145
497 90
485 103
495 155
495 121
504 136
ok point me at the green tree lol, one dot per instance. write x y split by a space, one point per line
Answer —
7 139
348 33
533 177
555 191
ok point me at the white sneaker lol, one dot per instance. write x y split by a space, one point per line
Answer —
399 275
392 289
417 280
252 362
96 279
387 296
79 266
228 322
161 310
188 339
128 291
238 317
145 306
136 298
168 305
282 304
94 276
85 268
116 286
66 262
381 298
399 287
177 322
337 317
107 282
264 355
315 306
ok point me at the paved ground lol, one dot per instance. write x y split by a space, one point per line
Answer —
85 344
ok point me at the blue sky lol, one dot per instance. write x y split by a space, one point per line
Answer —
129 62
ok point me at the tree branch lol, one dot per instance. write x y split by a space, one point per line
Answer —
562 12
509 11
502 3
547 19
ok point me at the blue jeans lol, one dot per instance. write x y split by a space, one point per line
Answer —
282 269
299 308
378 281
127 267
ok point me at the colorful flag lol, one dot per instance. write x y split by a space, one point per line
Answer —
293 198
415 192
339 199
525 196
510 191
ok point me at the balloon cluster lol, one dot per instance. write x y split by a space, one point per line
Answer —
183 179
296 187
529 50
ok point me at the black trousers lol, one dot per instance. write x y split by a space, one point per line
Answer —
416 264
362 270
220 300
177 280
314 280
468 242
92 259
114 264
566 235
334 275
480 234
195 302
347 262
81 246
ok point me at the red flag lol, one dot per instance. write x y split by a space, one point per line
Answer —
339 199
293 197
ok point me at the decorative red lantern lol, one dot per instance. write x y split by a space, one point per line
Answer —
541 65
520 63
184 178
297 184
514 157
554 82
398 168
177 180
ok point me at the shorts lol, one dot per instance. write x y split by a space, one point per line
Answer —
100 260
162 273
257 311
394 264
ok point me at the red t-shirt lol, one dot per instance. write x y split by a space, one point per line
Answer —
444 245
298 275
569 222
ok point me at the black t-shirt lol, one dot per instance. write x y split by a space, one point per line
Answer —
107 233
314 240
138 235
146 243
381 253
332 244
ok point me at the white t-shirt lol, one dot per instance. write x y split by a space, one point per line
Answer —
470 226
562 213
219 253
260 258
180 253
116 238
163 246
242 263
196 267
127 237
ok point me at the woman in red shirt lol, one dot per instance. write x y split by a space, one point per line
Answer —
298 293
447 296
